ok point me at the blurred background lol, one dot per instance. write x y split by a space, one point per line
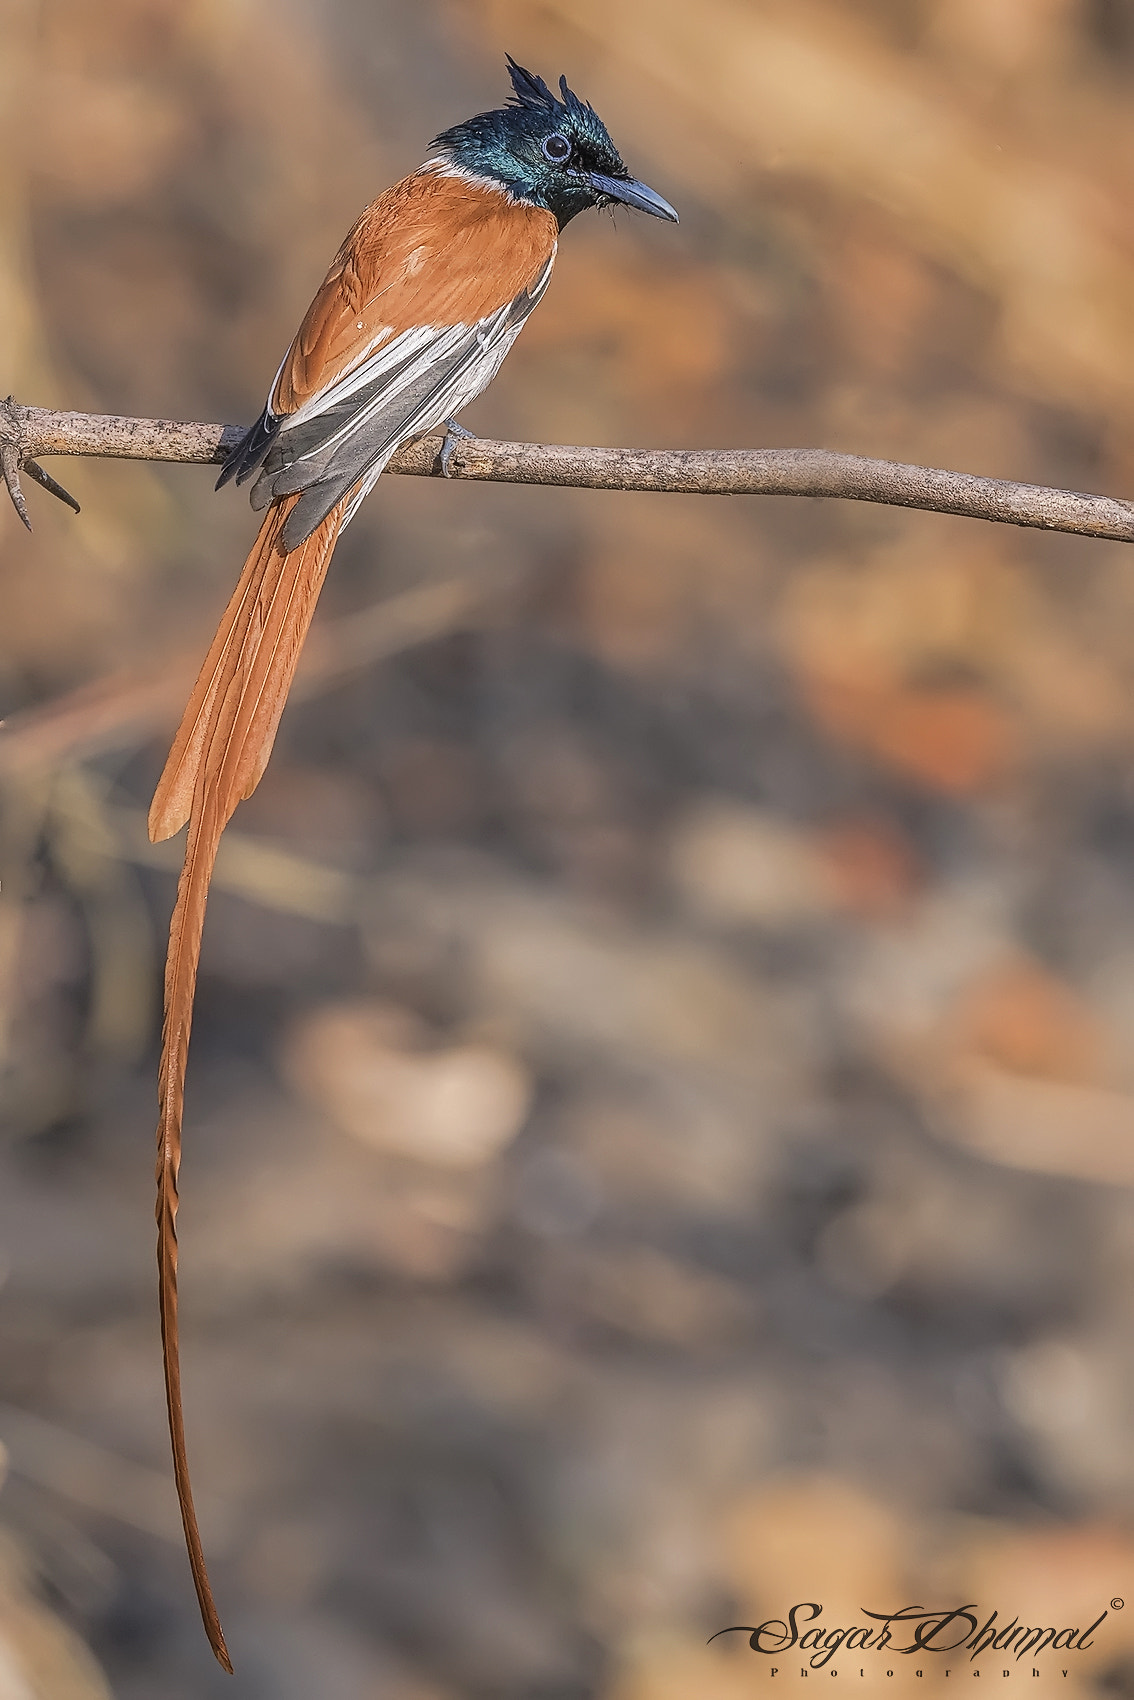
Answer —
661 1110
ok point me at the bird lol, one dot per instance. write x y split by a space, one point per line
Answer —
426 295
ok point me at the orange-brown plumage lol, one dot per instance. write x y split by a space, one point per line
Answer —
433 250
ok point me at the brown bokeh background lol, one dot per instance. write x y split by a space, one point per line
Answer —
661 1110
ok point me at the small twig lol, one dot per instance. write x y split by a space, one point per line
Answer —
10 470
90 1475
117 712
29 431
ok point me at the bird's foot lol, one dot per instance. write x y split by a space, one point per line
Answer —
14 460
453 435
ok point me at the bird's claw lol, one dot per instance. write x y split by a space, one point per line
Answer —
14 460
453 435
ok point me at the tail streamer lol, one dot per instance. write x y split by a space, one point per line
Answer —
218 757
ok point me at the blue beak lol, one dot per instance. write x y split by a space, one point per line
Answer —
633 194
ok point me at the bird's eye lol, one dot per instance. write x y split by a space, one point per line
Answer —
556 148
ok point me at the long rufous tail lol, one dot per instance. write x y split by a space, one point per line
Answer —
218 757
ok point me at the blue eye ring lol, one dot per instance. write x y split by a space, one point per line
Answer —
556 148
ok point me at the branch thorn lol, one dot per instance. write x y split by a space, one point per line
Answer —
41 477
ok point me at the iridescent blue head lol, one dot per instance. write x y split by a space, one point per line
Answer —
553 153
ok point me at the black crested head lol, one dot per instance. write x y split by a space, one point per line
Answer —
553 153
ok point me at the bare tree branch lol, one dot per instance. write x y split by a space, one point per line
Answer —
26 432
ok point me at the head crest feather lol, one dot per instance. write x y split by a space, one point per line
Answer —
571 101
532 91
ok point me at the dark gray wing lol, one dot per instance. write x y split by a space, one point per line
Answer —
341 439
